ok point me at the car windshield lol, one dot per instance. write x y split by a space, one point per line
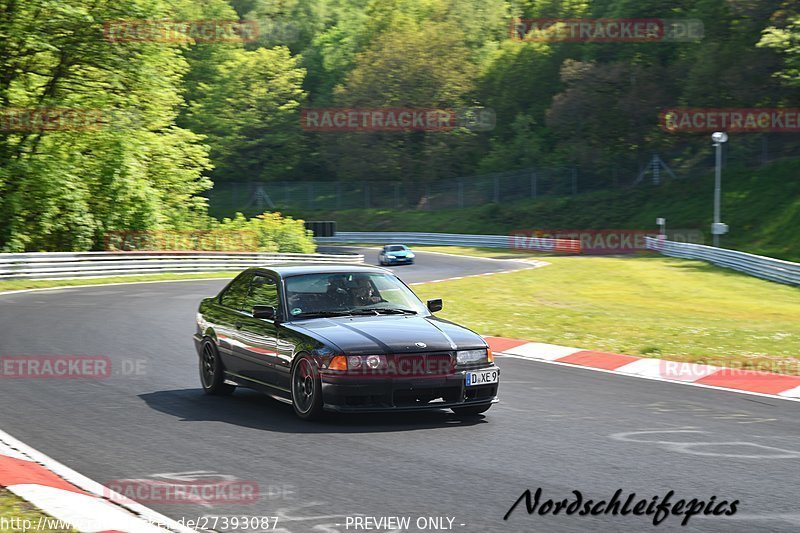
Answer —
355 293
395 248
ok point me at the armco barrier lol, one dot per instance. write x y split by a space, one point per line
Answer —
455 239
755 265
49 265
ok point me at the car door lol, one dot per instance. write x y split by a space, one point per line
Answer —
258 337
227 318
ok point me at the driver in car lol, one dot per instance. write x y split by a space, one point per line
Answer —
364 293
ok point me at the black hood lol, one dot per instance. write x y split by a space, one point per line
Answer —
390 334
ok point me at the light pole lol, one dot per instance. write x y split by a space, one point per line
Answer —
718 228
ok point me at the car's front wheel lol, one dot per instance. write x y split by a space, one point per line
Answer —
306 389
472 410
212 373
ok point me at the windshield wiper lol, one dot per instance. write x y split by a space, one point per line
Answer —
356 312
396 311
319 314
383 311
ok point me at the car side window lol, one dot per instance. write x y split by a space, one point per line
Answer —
263 291
236 293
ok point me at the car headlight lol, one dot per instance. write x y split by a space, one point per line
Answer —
358 362
467 357
410 255
390 256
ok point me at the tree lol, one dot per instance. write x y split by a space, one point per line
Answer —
427 67
250 115
787 41
62 189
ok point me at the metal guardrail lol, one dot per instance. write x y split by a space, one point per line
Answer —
52 265
755 265
455 239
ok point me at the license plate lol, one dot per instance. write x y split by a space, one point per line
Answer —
482 377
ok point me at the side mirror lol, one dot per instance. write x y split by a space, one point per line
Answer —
435 305
264 311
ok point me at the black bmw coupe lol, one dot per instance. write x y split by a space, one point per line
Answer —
340 338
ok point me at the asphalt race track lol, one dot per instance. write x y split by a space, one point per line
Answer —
432 266
557 427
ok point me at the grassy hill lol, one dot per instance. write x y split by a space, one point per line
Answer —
762 208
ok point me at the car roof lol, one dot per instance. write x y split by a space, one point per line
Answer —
294 269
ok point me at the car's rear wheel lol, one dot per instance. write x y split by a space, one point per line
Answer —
212 373
471 410
306 389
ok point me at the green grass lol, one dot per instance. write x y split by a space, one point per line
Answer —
20 284
762 208
667 308
12 507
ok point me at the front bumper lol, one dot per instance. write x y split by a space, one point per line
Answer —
344 393
400 261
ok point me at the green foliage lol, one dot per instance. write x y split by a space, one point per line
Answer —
179 116
250 114
270 232
62 189
787 40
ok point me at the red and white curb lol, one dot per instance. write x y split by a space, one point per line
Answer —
729 379
71 498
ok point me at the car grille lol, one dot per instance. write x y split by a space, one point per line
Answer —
419 365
